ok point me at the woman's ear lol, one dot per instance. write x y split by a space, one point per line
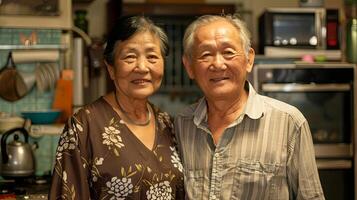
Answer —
250 62
110 69
187 64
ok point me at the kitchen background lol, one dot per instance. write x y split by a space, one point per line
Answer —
63 58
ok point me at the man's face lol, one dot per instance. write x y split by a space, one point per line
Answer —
219 64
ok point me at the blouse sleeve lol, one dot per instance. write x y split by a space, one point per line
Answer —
70 174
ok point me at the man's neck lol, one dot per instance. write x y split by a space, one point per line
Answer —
223 112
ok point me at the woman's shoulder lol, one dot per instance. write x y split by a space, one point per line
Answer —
162 117
96 105
160 113
93 109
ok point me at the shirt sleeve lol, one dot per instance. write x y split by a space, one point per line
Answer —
70 174
303 177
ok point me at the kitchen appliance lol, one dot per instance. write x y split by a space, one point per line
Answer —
294 32
17 158
25 188
325 94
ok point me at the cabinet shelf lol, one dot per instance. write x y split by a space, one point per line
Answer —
61 47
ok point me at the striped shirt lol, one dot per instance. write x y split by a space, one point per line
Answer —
266 153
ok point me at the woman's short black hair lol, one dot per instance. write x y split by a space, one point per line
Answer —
126 27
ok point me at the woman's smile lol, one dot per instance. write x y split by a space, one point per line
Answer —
141 81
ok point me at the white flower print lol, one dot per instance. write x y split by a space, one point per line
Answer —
111 137
175 159
64 176
162 117
160 191
68 140
119 188
79 127
99 161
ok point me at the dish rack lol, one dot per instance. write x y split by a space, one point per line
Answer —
29 56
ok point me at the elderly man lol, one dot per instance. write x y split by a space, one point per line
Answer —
235 143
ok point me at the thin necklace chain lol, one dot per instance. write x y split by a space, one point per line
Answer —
148 114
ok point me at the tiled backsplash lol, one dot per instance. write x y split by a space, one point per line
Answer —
45 153
35 99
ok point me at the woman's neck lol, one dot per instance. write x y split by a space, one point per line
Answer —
136 111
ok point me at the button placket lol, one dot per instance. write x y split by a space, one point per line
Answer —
215 176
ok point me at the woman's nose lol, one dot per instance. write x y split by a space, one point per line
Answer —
142 65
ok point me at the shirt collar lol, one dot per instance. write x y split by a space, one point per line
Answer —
254 107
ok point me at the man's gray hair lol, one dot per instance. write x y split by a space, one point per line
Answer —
190 32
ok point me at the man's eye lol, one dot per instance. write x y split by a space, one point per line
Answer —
229 53
205 55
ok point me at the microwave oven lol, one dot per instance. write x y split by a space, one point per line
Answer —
295 32
52 14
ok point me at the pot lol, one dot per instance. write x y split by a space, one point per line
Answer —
12 85
17 158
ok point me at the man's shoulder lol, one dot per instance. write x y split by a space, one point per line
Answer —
188 111
282 108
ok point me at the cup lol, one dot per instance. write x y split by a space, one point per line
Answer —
24 82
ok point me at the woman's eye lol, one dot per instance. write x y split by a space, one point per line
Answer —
152 58
130 58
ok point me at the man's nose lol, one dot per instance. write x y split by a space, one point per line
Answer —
218 62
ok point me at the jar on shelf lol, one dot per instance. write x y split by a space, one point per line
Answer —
351 30
351 40
81 21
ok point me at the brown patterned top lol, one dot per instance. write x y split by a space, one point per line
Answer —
98 157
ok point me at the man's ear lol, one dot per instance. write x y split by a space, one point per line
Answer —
110 69
250 62
187 63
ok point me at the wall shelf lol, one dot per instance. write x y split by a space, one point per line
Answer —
61 47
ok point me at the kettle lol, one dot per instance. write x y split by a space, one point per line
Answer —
17 158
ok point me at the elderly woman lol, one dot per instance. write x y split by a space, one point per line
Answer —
121 146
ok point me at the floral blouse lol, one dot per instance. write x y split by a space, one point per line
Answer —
98 157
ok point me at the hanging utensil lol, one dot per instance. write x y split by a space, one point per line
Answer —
12 84
8 76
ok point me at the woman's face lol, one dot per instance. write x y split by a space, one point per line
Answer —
138 66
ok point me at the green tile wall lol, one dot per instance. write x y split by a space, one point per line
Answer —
45 153
35 99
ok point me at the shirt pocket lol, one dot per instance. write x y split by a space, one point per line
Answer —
253 178
194 184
